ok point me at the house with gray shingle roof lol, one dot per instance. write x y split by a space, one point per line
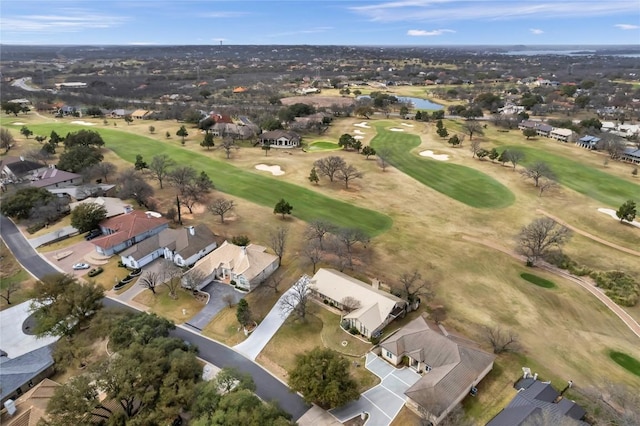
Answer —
539 403
589 142
451 367
631 155
18 375
279 139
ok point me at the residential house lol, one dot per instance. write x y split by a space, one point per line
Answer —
631 155
376 309
141 114
31 407
562 135
119 113
82 192
246 266
543 129
183 246
51 177
113 206
15 169
451 367
511 109
236 131
125 230
539 403
589 142
279 139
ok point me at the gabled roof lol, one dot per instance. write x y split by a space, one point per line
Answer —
52 176
179 240
19 166
631 152
127 226
454 366
32 406
113 206
15 372
247 261
562 132
277 134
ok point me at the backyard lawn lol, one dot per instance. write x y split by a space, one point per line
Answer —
177 310
307 204
464 184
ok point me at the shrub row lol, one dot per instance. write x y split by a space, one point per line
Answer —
619 286
35 227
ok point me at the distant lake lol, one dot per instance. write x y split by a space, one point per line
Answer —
418 103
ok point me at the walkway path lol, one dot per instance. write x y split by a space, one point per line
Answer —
588 235
620 313
269 325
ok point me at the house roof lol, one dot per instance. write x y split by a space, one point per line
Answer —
375 305
631 152
247 261
32 406
562 132
179 240
15 372
140 113
80 192
52 176
454 366
592 140
277 134
127 226
19 166
113 206
535 400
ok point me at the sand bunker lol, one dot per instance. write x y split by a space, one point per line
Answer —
430 154
395 129
274 170
612 213
18 123
359 132
358 137
406 125
364 125
83 123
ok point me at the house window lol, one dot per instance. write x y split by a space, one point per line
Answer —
389 355
427 367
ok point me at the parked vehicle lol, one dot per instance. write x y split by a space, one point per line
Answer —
80 266
93 234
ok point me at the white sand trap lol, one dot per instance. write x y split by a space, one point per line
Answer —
358 137
18 123
406 124
395 129
359 132
274 170
364 125
612 213
430 154
83 123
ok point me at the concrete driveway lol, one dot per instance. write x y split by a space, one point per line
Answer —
79 251
384 401
217 292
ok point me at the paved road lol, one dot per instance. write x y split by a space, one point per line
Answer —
267 386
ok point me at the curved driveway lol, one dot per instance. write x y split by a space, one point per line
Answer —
267 386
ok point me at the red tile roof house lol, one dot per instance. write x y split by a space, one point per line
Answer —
121 232
450 366
184 246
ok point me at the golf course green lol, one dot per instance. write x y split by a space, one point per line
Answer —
307 204
464 184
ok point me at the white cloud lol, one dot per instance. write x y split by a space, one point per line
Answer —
627 26
224 14
450 10
65 21
536 31
424 33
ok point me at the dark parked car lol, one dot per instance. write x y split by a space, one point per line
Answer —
93 234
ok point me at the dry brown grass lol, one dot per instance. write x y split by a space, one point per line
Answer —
178 310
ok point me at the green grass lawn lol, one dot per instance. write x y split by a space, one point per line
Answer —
625 361
323 146
461 183
593 183
539 281
307 204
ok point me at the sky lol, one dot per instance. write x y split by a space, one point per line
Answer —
320 22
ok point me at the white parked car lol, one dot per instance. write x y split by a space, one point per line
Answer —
79 266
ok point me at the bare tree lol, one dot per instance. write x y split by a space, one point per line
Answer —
273 282
383 158
539 236
472 127
318 230
474 146
278 241
455 418
181 177
220 207
514 156
312 252
6 139
613 145
193 279
537 171
547 185
329 166
103 170
228 144
10 288
348 172
131 184
171 277
349 237
350 304
296 299
229 300
150 280
501 340
413 286
159 167
39 156
613 404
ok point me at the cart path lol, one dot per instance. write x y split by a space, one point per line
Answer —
584 283
588 235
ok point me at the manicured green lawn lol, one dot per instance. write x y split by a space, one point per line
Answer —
539 281
323 146
625 361
461 183
593 183
307 204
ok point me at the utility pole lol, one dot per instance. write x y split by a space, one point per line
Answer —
179 213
